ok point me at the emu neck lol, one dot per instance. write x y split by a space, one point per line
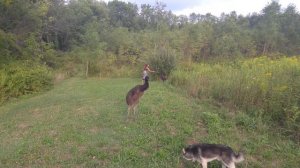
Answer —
145 86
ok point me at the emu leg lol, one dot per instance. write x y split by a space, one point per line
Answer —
134 109
128 111
204 164
232 165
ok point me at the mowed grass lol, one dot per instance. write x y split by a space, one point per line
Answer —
82 123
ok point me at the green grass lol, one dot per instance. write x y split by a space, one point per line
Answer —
82 123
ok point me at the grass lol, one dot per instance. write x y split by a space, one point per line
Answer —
82 123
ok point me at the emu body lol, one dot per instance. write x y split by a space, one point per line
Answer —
163 77
134 95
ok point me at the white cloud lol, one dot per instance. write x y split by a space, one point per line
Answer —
244 7
215 7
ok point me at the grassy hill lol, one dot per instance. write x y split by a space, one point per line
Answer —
82 123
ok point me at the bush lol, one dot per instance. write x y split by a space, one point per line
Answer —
163 62
21 78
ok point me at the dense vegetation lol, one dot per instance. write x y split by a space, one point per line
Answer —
124 32
247 63
264 88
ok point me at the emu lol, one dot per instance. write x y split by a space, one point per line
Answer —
134 95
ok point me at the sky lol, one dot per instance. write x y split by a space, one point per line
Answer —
216 7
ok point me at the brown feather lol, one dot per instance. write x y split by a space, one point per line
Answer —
136 93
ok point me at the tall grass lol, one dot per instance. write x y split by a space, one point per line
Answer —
261 86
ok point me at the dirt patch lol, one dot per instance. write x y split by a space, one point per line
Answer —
23 126
171 128
111 149
84 111
95 130
36 113
58 77
53 133
198 134
82 149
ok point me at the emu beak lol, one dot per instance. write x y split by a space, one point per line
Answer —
183 150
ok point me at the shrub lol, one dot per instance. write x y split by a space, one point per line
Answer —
21 78
163 61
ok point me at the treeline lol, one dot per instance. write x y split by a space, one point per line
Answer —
31 28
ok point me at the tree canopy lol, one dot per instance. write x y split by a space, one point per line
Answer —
126 29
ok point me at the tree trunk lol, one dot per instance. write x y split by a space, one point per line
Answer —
265 49
87 69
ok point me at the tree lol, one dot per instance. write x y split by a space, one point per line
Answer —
123 14
290 23
268 36
232 37
22 16
147 16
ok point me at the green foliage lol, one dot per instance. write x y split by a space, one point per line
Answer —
123 14
22 16
66 26
8 48
37 50
38 27
100 64
19 79
118 38
163 61
264 86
